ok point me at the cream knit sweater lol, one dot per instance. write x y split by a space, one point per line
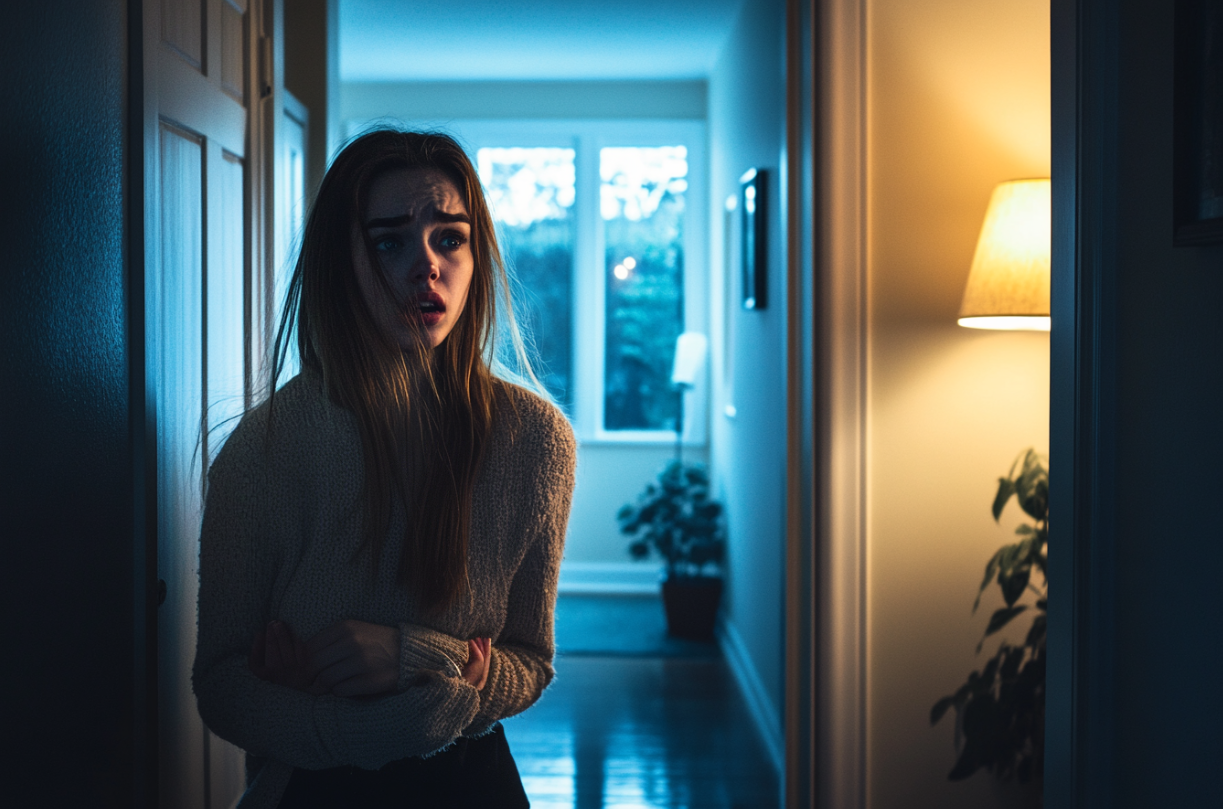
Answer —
281 528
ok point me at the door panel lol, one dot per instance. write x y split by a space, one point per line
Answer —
179 399
226 381
182 28
199 258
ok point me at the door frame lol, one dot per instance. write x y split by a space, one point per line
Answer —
1085 51
827 386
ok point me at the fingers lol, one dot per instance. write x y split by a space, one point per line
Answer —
487 647
475 671
278 656
362 656
329 635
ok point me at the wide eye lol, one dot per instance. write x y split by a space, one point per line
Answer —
386 244
452 240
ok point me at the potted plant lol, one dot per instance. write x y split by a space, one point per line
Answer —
1000 710
676 518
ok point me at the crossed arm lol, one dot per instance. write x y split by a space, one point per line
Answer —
348 659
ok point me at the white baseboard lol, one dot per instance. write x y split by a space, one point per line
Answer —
609 578
765 714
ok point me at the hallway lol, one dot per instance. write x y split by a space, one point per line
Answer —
635 719
635 732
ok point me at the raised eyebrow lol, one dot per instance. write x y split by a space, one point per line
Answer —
442 216
397 221
388 222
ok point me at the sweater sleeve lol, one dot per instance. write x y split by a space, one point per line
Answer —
520 667
239 560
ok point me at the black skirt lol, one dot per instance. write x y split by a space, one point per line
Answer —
478 773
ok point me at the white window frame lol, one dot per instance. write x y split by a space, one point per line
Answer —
586 137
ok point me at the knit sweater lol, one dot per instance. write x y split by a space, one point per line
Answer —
281 540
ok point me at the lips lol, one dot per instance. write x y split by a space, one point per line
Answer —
430 307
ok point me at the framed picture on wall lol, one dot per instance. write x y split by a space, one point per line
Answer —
1198 123
753 255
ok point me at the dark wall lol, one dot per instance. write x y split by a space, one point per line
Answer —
1169 456
1137 406
66 459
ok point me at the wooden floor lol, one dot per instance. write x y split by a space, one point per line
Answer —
635 732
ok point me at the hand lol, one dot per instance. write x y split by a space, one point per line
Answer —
279 657
479 651
353 658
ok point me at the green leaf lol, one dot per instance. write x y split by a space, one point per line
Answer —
940 708
966 765
1036 635
1002 617
1032 487
1006 488
1013 582
991 570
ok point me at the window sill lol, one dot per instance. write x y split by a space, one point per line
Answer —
638 439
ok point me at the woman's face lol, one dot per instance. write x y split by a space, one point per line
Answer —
421 233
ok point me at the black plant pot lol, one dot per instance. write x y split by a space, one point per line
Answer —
691 603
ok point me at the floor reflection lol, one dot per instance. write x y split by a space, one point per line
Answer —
627 733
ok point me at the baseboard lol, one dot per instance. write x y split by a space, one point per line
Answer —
764 713
609 578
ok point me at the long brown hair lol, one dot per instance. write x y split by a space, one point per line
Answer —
424 415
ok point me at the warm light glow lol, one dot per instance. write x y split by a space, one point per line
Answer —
1008 285
1007 323
620 271
630 262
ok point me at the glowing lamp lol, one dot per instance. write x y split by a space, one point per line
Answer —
1008 285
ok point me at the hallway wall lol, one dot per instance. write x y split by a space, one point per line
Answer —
68 459
748 453
958 100
1135 654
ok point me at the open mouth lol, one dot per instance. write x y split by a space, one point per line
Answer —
430 306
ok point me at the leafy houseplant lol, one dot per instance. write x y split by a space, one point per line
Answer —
1000 710
676 518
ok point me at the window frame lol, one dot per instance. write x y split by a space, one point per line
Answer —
589 294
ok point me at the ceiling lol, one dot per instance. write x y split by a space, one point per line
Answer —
411 40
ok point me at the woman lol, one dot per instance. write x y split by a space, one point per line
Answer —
382 536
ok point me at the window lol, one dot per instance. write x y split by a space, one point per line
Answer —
531 194
642 191
601 224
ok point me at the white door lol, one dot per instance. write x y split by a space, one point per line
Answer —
203 275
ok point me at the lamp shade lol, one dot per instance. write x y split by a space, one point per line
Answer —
689 355
1008 285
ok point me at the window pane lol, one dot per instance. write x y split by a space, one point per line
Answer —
642 202
530 192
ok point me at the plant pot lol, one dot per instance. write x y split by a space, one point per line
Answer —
691 603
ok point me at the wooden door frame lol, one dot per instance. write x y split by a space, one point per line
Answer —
827 355
827 383
1085 123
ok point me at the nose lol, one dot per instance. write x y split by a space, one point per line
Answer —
425 265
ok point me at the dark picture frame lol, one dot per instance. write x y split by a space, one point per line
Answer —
1198 123
754 241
